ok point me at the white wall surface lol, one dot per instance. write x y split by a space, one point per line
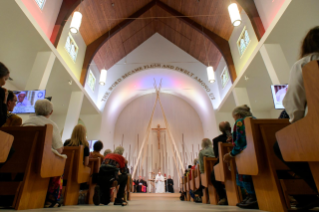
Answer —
75 66
240 61
183 120
267 10
46 18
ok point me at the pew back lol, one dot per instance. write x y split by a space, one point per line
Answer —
5 145
34 159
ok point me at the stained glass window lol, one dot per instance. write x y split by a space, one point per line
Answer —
243 41
40 3
91 80
71 47
224 77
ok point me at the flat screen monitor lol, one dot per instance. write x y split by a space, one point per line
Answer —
26 101
278 95
91 144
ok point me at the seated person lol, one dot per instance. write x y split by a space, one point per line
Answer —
107 152
12 119
112 161
240 143
225 137
140 183
43 110
295 104
79 138
208 151
96 151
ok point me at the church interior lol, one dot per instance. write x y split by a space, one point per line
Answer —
195 105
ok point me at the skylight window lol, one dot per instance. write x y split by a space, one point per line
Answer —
40 3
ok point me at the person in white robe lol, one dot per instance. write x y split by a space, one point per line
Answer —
160 183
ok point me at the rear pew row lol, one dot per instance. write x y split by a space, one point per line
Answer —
297 143
24 178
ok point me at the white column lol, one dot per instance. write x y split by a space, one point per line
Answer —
276 63
73 114
41 71
241 97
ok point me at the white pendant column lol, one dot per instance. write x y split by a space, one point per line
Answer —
73 114
241 97
41 71
276 63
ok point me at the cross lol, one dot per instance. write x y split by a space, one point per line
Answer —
158 130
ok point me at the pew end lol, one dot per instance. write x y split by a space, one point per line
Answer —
94 164
209 192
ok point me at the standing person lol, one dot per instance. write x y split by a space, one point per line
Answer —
295 104
4 76
159 180
225 137
78 138
12 119
170 183
240 143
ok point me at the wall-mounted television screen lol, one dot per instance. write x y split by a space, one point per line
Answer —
91 144
278 95
26 101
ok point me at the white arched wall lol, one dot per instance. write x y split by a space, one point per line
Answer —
184 124
141 83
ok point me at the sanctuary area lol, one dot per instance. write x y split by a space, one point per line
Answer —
159 105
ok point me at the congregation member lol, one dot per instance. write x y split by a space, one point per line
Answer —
97 147
208 151
170 184
112 168
240 143
191 192
12 119
43 110
78 138
225 137
107 152
295 104
4 76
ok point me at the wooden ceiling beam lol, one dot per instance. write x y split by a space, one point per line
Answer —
94 47
252 12
219 42
67 8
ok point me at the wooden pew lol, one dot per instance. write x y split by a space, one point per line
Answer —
34 159
259 161
187 187
197 177
209 192
5 145
192 183
75 173
223 174
298 142
94 165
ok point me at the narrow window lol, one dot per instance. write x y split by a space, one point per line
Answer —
243 41
224 77
91 80
71 47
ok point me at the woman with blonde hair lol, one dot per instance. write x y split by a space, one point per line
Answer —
79 138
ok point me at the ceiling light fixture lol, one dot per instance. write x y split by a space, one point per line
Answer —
209 69
234 14
76 21
103 76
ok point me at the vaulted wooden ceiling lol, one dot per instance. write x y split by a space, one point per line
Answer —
99 16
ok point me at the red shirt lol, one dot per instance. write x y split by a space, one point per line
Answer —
115 157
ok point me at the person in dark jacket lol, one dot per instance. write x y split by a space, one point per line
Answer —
170 184
225 137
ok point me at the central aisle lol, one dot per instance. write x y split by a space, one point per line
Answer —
148 204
